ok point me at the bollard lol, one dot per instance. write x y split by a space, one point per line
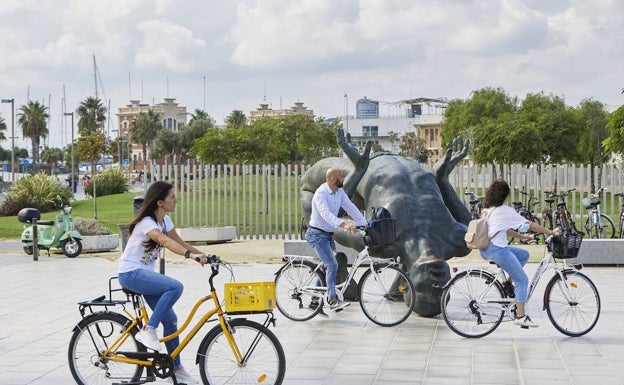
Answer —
35 241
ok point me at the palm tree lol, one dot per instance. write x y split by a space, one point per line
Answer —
145 127
52 156
236 119
91 115
32 118
3 128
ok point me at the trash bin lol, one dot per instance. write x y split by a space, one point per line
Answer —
138 201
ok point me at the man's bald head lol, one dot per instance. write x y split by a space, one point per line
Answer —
334 178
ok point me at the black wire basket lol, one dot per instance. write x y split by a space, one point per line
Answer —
566 245
382 232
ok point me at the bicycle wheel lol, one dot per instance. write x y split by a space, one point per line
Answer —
471 304
386 295
291 296
263 357
621 235
573 305
604 230
90 338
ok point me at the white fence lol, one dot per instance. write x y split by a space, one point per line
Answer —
264 201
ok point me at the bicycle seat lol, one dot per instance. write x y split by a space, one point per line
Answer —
130 292
549 200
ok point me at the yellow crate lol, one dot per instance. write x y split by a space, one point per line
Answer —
249 296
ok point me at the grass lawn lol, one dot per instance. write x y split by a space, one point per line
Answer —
111 211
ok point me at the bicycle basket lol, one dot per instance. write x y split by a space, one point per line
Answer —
567 245
249 296
382 231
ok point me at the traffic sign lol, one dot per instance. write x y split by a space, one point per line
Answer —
126 161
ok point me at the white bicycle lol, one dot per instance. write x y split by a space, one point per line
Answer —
474 302
385 292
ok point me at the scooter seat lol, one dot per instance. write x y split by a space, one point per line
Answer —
45 223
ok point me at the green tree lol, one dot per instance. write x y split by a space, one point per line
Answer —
615 125
52 156
145 127
166 144
32 118
462 117
593 126
91 115
236 118
3 128
412 146
90 147
199 114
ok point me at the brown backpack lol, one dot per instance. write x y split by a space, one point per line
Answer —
477 234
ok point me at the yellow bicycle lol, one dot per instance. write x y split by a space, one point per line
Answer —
103 348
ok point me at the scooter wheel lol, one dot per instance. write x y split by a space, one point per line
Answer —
28 250
72 247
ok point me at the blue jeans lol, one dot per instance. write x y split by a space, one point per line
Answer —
323 244
161 293
512 260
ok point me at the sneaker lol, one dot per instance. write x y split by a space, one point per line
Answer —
147 336
337 305
183 377
525 322
313 305
508 289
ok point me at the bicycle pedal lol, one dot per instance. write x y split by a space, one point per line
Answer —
524 327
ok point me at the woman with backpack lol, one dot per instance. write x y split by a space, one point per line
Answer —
504 221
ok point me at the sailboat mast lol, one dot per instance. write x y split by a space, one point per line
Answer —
95 76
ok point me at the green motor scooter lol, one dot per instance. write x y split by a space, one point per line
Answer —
59 234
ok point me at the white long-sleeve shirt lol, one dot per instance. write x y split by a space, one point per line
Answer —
326 205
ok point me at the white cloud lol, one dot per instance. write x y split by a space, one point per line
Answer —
167 45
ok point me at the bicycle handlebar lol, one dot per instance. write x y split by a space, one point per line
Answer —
209 258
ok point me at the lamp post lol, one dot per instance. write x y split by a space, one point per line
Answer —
12 101
72 151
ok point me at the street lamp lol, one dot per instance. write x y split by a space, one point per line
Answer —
72 152
12 101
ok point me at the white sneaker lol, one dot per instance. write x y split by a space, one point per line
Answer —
148 337
525 322
183 377
337 305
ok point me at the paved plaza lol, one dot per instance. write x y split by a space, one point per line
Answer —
38 310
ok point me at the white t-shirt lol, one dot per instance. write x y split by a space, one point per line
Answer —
500 219
134 255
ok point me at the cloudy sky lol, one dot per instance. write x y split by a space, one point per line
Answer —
224 55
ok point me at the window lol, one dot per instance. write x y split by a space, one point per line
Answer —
370 131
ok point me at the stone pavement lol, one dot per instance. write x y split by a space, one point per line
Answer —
38 310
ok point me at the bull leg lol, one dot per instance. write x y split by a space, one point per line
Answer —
360 161
442 169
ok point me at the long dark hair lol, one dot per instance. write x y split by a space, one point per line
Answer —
496 194
157 191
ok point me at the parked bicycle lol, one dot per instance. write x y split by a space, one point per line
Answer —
385 292
475 205
103 348
526 211
562 217
598 224
474 302
621 221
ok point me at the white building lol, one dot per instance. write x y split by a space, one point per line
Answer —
375 120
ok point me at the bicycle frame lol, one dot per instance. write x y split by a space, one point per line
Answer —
140 318
362 258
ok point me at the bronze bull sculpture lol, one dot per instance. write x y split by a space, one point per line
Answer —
431 219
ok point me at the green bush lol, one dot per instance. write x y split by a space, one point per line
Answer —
39 191
108 182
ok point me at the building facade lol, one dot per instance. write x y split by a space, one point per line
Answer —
377 121
172 117
265 111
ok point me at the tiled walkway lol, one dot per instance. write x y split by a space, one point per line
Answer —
38 310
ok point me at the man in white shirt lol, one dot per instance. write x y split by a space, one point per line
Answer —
328 199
